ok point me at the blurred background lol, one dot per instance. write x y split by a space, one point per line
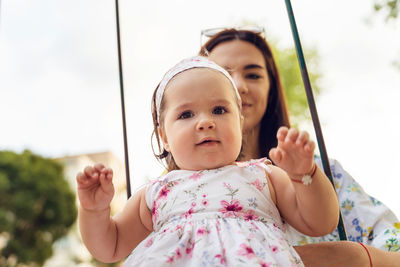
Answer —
60 96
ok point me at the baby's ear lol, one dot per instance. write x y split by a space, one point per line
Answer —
241 121
163 138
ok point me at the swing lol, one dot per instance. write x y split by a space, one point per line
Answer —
310 100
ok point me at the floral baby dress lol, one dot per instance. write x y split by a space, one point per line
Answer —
218 217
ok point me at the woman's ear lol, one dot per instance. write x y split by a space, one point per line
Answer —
163 139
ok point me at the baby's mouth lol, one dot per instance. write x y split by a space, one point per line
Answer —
208 141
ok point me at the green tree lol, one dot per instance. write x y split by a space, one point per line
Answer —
37 207
390 8
286 59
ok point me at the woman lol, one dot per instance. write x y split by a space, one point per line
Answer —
248 58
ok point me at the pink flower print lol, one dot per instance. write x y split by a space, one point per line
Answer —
178 253
274 249
229 208
195 176
189 249
188 214
276 226
149 242
204 201
170 259
221 256
164 192
254 226
250 216
258 184
154 211
201 231
218 227
246 251
265 264
228 186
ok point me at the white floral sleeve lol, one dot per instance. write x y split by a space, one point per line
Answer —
366 219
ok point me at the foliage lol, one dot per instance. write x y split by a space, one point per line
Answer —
391 8
37 207
286 59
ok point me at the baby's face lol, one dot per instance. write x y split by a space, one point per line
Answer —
202 121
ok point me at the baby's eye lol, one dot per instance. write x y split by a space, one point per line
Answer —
219 110
185 115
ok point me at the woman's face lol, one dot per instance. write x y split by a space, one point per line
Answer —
247 67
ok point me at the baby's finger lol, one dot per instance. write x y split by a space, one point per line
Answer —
303 138
106 184
282 133
275 155
109 174
292 135
99 167
310 146
90 172
81 178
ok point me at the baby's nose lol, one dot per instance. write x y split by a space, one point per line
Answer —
205 123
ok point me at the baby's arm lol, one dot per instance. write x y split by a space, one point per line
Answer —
109 239
312 209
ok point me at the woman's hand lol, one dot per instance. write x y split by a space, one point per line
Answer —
294 153
95 187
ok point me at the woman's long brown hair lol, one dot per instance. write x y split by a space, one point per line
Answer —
276 114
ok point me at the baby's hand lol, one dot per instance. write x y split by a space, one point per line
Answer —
294 153
95 187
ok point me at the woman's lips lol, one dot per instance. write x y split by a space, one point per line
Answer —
245 106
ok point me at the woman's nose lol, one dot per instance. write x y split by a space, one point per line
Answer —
240 83
205 123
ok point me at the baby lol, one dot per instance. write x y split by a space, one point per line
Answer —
209 209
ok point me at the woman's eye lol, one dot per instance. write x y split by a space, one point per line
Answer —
253 76
219 110
186 115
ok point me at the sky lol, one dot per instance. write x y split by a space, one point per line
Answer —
59 87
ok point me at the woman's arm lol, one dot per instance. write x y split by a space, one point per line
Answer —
345 253
366 219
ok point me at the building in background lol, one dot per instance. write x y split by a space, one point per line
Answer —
70 251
